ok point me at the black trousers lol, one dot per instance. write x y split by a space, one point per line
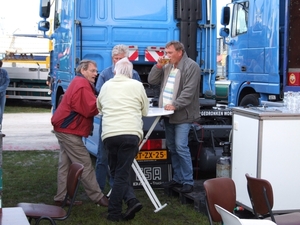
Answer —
122 150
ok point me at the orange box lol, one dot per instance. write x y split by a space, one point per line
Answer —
294 77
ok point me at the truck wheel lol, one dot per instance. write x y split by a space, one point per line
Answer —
250 100
59 100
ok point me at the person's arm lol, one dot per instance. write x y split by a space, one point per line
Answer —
145 101
7 80
155 75
99 106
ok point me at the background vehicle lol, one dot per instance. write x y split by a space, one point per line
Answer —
263 53
84 29
26 59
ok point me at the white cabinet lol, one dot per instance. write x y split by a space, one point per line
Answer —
265 145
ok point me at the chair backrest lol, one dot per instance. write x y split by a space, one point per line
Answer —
261 195
75 172
227 217
220 191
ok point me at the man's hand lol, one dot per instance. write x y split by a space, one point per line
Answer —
161 61
169 107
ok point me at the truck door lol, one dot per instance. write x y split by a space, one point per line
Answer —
238 59
253 58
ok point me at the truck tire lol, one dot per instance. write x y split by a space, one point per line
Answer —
59 100
250 100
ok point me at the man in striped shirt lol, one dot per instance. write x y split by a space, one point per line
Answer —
180 84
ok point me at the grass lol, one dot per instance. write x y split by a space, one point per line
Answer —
26 106
30 176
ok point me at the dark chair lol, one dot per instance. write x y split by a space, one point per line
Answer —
261 196
40 212
220 191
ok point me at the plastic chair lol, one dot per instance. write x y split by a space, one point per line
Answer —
220 191
261 196
40 212
231 219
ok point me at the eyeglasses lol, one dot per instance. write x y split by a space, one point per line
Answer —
93 71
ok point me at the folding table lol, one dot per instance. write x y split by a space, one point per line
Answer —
153 112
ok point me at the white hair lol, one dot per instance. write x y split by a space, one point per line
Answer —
124 67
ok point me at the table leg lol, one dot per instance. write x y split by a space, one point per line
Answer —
139 173
149 132
147 187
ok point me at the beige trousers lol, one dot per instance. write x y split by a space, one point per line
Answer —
72 150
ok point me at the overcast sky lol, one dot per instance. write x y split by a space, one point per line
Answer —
19 16
22 16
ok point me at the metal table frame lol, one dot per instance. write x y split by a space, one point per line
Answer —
158 112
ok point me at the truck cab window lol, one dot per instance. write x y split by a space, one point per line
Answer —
57 14
240 19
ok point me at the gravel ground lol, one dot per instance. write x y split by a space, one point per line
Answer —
28 131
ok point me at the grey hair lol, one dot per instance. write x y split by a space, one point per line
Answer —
84 64
120 49
124 67
177 45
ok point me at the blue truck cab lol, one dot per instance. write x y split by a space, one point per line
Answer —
263 53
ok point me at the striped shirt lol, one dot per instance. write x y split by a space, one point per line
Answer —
169 88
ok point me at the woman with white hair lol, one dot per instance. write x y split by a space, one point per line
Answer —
123 102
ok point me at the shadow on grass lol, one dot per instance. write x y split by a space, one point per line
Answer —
30 176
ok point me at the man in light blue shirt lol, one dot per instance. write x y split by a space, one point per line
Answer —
118 52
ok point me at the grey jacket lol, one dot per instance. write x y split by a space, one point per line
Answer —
186 89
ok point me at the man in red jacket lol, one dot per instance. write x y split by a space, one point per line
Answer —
72 120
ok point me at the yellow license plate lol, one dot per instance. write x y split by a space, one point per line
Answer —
152 155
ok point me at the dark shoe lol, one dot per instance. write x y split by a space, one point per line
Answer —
59 203
103 201
114 218
134 206
171 184
187 188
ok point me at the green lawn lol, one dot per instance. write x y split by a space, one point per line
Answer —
30 176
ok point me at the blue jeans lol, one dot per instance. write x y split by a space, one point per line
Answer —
121 152
177 143
2 105
102 170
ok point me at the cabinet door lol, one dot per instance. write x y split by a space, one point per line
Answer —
244 154
280 161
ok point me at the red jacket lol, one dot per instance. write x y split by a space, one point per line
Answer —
76 112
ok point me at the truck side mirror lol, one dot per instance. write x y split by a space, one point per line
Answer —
224 32
45 8
44 26
225 15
